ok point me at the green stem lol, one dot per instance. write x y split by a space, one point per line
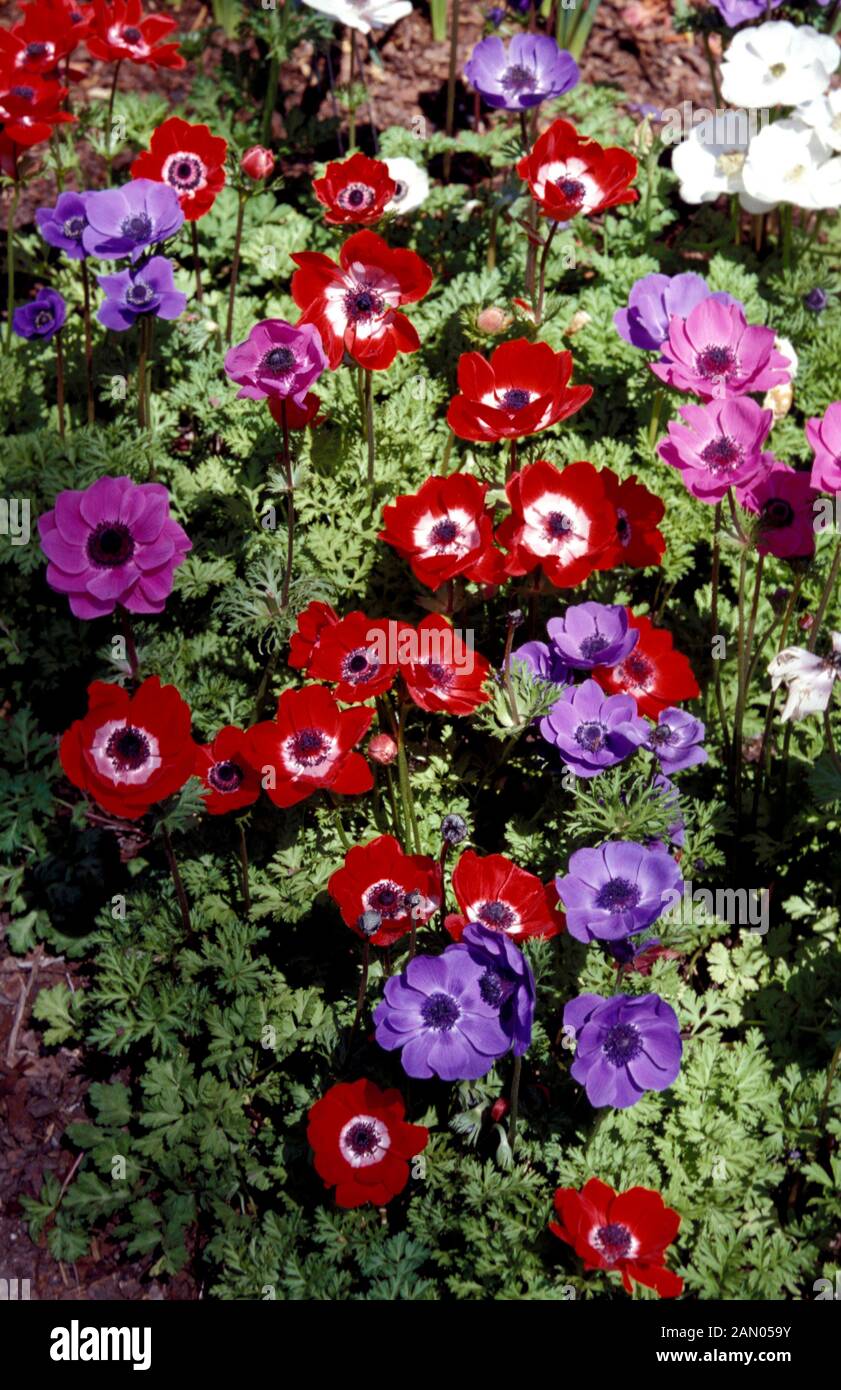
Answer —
705 39
656 411
243 859
369 431
363 985
716 571
541 288
110 118
59 382
515 1101
86 289
406 784
290 506
178 882
824 599
229 328
10 262
194 238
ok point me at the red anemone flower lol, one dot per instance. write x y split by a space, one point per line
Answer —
627 1232
34 47
120 32
638 543
226 773
309 745
444 529
312 621
360 654
560 519
30 108
362 1143
297 416
440 670
189 159
355 304
568 173
355 190
377 878
654 673
523 389
495 892
130 751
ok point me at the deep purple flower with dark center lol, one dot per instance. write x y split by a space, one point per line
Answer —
652 302
625 1046
617 889
145 289
543 662
125 221
592 730
677 740
63 225
41 317
816 300
277 359
534 69
437 1013
507 980
719 446
592 634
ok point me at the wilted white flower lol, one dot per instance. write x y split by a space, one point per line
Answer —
787 163
780 399
710 162
809 678
363 15
824 116
412 184
778 64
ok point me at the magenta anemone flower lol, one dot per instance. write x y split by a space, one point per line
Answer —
277 359
715 353
625 1046
719 446
113 543
824 436
784 500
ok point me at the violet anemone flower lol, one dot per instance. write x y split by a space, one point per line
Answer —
41 317
719 446
677 740
654 300
784 501
438 1015
113 543
592 730
824 435
125 221
625 1046
63 225
507 980
736 12
277 359
592 634
542 662
534 69
715 353
146 289
617 889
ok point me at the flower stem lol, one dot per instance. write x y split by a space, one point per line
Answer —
405 783
128 636
59 382
656 411
363 985
716 570
141 374
705 39
243 859
229 328
369 431
515 1101
290 506
824 599
110 118
830 741
544 259
736 747
86 289
10 262
763 769
194 237
177 880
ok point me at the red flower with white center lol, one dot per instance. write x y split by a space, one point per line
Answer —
638 543
523 389
226 773
362 1143
122 33
360 654
654 673
309 745
568 174
377 878
355 190
628 1232
355 305
561 520
130 751
311 623
30 108
444 529
34 47
189 159
495 892
297 416
442 672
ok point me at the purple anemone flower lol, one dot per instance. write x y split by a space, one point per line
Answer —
652 302
534 69
670 797
543 662
736 12
592 634
719 446
507 980
277 359
124 221
592 730
617 889
677 740
716 354
625 1046
41 317
437 1013
148 289
113 543
63 225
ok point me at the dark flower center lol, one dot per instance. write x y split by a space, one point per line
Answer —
622 1044
185 172
558 524
664 733
43 318
138 226
492 988
440 675
225 777
279 360
591 735
24 93
496 915
139 294
623 527
592 645
309 746
111 544
386 898
128 749
612 1242
444 532
356 195
777 513
715 361
36 50
400 191
722 455
363 304
618 895
362 1138
572 189
131 34
73 227
635 670
518 78
359 666
440 1012
516 398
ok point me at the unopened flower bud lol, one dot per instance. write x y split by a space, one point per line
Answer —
493 320
382 749
806 623
257 162
579 320
816 300
453 829
499 1110
369 923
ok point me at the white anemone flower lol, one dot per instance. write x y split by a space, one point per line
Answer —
710 161
363 15
824 116
412 184
809 679
778 64
787 163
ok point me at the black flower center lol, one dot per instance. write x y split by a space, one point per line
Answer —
309 746
279 360
558 524
44 318
226 776
440 675
777 513
363 304
36 50
360 666
137 226
623 527
356 195
663 734
400 191
440 1012
132 34
622 1044
128 749
572 189
444 532
23 93
591 735
613 1242
722 455
636 670
516 398
493 988
74 226
139 294
518 78
715 361
386 898
111 544
618 895
185 172
496 915
362 1138
592 645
